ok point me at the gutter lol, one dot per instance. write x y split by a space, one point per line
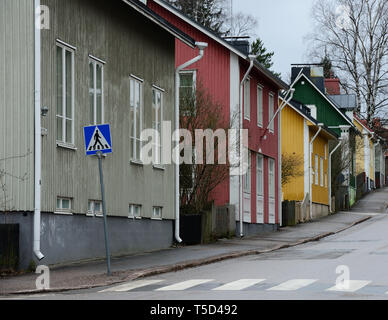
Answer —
310 171
330 156
201 46
38 134
241 111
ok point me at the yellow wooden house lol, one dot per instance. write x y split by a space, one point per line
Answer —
305 144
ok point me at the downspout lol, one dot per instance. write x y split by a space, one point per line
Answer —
201 46
241 111
311 165
374 159
330 156
38 133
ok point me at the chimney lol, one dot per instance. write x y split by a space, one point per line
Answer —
242 45
333 86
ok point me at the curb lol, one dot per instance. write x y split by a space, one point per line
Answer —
190 264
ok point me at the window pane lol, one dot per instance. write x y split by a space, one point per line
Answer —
59 81
69 131
99 76
186 80
97 207
99 108
91 92
90 206
69 84
65 204
59 204
59 129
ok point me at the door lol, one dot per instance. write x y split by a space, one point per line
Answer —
260 189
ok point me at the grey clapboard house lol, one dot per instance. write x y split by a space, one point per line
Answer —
101 62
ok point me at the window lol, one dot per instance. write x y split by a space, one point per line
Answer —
260 175
325 151
136 117
326 180
247 100
157 212
260 106
187 91
316 169
271 112
247 176
271 178
134 211
313 110
321 172
96 92
157 118
95 208
65 94
64 205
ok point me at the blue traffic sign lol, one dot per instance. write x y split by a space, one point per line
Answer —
97 139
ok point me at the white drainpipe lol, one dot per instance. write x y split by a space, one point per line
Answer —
330 156
38 134
241 111
201 46
311 167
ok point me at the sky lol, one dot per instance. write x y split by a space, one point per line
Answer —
283 26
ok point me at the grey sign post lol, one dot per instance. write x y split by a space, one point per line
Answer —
98 142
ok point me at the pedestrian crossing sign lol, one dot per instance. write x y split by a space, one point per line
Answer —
98 138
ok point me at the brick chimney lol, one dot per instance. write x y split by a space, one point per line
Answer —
333 86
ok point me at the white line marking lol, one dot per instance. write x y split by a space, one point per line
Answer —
184 285
350 286
292 285
239 285
131 286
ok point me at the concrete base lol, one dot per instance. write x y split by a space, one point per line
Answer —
320 210
73 238
251 229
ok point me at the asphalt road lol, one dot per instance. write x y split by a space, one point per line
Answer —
305 272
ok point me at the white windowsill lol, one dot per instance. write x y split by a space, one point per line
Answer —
137 163
66 146
159 167
135 218
157 219
63 213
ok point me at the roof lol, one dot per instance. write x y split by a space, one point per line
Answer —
211 34
305 112
330 101
163 23
362 123
345 101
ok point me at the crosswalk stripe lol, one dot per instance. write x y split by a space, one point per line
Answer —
292 285
350 286
239 285
132 285
184 285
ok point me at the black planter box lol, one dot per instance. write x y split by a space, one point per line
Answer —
191 229
9 247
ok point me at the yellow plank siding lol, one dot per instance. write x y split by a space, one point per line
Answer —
293 143
320 191
360 158
372 160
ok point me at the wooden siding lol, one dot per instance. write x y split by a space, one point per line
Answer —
17 103
129 44
293 143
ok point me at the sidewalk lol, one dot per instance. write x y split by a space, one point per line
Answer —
92 274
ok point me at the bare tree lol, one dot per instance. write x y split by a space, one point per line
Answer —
241 24
292 167
355 34
199 177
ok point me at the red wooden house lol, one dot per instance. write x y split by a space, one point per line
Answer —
221 71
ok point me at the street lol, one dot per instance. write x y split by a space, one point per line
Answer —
304 272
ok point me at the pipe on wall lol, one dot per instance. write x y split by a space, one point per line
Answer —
201 46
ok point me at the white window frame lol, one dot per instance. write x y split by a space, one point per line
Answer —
322 172
157 146
138 127
194 74
313 109
271 111
155 210
316 169
247 185
271 179
60 210
91 208
247 99
260 106
66 48
97 62
131 211
326 181
260 175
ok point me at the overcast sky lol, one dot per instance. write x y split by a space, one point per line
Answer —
283 24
